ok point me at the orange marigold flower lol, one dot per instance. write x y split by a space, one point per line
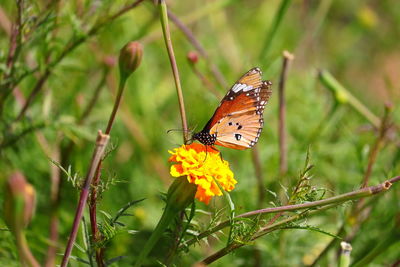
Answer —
202 168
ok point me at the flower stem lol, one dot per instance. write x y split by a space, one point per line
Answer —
171 55
25 253
96 180
101 143
180 194
164 222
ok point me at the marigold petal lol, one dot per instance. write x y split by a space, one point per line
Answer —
203 167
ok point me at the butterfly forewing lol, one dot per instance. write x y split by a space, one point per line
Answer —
236 99
238 120
242 128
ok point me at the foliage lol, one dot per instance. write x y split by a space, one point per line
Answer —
59 80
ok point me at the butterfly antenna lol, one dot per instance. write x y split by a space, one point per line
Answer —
179 130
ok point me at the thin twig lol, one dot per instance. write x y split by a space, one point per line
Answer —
287 57
356 209
336 200
15 39
206 82
54 198
15 46
93 215
101 143
255 155
384 126
94 98
268 229
196 44
93 196
56 194
361 193
171 55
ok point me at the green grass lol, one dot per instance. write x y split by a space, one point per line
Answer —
356 42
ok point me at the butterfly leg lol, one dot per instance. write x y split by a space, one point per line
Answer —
220 154
206 154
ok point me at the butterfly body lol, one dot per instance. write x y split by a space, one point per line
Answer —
238 121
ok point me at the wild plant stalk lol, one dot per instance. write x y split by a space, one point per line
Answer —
130 58
356 209
255 155
265 230
101 143
174 66
204 80
13 52
93 196
334 201
319 206
287 57
372 157
65 152
384 127
344 96
344 260
24 252
197 45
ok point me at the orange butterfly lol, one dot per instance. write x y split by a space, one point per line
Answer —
238 121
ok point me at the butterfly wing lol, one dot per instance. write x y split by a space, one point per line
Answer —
238 121
248 84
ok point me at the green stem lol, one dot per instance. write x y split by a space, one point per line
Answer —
164 222
101 143
344 260
344 96
170 49
24 251
121 87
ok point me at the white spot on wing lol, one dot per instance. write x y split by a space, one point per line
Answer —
240 86
247 88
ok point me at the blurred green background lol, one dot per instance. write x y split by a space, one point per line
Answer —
356 41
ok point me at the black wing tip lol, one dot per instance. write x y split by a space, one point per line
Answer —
255 69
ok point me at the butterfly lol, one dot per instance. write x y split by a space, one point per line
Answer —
238 121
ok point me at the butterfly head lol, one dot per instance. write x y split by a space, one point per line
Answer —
205 138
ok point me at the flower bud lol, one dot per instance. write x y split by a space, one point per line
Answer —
19 203
192 57
130 57
110 61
